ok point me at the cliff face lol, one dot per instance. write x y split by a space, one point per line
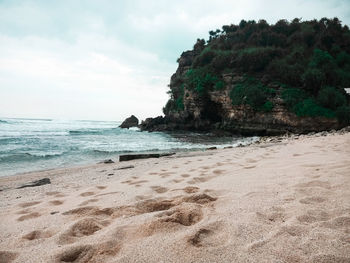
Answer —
215 111
256 78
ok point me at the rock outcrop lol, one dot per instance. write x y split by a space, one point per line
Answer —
256 78
215 111
132 121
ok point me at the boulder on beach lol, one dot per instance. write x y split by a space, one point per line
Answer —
132 121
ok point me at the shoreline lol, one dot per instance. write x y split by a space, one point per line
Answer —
283 198
115 157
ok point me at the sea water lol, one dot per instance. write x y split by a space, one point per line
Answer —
39 144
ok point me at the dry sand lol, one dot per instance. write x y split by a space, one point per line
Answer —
282 202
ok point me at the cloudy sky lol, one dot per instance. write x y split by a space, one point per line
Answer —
108 59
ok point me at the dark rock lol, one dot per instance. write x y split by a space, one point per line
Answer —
126 167
212 148
152 124
110 174
228 147
128 157
132 121
54 212
36 183
107 161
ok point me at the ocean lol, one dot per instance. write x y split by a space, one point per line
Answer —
39 144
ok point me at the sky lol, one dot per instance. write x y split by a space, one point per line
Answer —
108 59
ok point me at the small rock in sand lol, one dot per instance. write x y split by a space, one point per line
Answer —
107 161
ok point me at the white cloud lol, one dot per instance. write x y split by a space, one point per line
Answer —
81 74
109 59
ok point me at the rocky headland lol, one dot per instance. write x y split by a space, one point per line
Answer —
261 79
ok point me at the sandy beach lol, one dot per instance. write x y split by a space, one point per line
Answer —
282 201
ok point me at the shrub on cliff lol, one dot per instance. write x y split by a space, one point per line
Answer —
201 80
331 98
251 92
343 115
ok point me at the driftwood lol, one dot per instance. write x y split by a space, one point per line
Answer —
128 157
36 183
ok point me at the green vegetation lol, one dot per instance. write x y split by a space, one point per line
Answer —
309 59
201 81
251 92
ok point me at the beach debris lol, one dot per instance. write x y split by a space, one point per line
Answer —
126 167
107 161
132 121
128 157
36 183
211 148
110 174
54 212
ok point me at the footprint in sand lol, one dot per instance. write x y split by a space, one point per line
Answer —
272 217
60 195
7 256
84 227
91 211
315 183
208 236
24 211
313 216
88 202
339 222
87 194
217 171
56 202
28 204
29 216
177 181
197 239
159 189
76 254
186 215
202 179
191 189
37 234
167 174
90 253
185 175
313 200
183 215
292 230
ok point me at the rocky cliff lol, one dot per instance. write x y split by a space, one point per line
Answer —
208 88
216 111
